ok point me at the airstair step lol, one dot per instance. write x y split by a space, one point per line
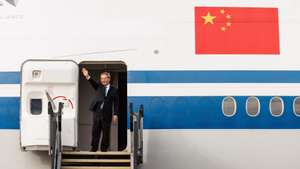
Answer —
97 164
88 167
95 155
95 161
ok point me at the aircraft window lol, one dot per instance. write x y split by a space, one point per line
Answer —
36 106
229 106
252 106
296 106
276 106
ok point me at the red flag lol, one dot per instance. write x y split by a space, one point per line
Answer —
236 30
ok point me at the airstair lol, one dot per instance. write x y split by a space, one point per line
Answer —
60 159
96 160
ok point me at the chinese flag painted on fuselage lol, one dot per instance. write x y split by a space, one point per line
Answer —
236 30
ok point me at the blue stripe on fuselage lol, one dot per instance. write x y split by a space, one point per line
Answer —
185 112
9 112
206 113
214 76
199 76
10 78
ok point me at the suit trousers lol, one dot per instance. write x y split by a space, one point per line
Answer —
100 125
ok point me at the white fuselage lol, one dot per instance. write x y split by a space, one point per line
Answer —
156 40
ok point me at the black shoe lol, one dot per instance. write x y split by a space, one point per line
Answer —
93 149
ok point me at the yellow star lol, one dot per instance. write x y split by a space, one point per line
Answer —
228 16
208 18
228 24
222 11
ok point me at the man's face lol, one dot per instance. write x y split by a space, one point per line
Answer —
104 79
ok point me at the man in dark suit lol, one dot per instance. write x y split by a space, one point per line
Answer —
105 100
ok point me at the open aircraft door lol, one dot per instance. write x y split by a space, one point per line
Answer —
60 79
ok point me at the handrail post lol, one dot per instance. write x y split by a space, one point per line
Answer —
52 127
135 141
133 130
131 116
59 129
55 149
141 144
136 130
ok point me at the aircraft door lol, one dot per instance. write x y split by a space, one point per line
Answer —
60 79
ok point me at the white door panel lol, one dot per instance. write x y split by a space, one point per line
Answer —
60 79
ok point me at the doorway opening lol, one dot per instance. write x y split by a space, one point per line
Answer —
118 136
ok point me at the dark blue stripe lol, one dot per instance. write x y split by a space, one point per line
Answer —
10 78
206 113
214 76
9 112
186 113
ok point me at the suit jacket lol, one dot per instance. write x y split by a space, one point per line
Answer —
110 101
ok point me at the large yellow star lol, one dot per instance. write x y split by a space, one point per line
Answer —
208 18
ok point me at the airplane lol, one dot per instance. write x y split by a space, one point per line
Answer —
208 84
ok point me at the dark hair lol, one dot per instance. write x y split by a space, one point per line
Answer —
106 73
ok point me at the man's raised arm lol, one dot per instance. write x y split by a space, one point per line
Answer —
85 73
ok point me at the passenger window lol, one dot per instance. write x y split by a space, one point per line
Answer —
276 106
229 106
36 106
296 106
252 106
